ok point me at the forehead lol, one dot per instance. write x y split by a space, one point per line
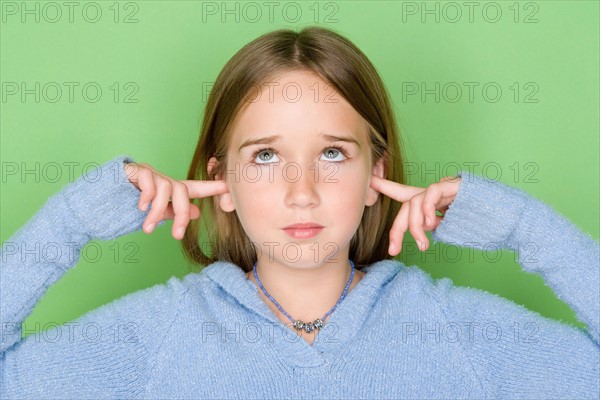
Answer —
296 105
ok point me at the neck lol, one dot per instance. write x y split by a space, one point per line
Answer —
304 293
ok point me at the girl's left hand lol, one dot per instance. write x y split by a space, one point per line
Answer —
418 210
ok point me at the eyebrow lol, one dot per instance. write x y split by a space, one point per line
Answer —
275 138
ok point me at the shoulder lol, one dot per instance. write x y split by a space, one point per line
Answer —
144 316
462 303
410 279
113 343
490 321
414 281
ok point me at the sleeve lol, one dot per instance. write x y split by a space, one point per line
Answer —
515 352
103 205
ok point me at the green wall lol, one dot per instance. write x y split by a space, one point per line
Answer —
532 115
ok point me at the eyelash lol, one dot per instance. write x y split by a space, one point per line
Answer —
338 148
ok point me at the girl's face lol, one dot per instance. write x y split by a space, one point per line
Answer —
284 168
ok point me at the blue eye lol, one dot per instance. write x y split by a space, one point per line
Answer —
338 149
335 150
259 152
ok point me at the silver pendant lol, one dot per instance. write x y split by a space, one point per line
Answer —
309 327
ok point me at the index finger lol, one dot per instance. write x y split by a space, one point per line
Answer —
395 190
199 189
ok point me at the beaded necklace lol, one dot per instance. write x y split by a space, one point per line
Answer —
298 324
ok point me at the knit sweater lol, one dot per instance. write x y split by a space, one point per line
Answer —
397 334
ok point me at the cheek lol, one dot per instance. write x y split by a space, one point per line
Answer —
352 179
346 196
252 200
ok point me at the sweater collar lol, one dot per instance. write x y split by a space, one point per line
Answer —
345 321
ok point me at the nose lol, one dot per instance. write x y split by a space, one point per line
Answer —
302 184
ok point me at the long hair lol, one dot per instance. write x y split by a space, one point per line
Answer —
339 63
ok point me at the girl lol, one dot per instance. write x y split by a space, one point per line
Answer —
299 172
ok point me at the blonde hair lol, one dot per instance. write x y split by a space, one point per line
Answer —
339 63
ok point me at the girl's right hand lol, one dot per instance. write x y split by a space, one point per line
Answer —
158 189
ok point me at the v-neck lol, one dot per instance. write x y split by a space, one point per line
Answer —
341 326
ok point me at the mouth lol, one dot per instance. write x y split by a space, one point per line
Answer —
304 230
304 225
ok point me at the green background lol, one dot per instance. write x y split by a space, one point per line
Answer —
541 133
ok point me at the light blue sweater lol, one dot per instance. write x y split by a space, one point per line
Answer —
397 334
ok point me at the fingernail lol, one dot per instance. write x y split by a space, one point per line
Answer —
392 248
145 207
427 220
180 232
149 228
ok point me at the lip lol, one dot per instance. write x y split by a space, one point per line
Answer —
304 230
304 225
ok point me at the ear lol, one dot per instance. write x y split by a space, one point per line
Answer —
225 199
372 194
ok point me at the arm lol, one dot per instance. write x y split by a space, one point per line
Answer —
486 212
534 356
99 205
